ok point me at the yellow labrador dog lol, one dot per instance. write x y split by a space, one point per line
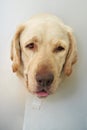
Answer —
43 50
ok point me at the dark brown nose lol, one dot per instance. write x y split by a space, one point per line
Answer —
45 79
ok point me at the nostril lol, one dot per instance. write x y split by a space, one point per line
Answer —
44 79
48 82
50 79
40 82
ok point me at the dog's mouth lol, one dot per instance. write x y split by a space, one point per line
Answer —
42 93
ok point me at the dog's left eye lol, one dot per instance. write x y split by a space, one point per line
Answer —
59 49
30 45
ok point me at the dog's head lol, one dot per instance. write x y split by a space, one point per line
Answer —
43 49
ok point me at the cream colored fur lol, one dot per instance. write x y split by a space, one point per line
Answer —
47 33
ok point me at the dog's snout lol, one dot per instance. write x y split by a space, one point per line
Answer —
44 80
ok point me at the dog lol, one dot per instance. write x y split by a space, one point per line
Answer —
43 50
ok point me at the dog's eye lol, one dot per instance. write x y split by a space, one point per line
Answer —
59 49
30 45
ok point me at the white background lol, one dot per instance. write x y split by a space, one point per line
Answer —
71 105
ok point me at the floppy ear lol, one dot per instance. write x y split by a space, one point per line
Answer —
15 49
72 53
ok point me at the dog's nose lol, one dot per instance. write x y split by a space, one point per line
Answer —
44 80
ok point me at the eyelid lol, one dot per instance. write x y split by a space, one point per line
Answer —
60 46
59 49
32 40
30 45
28 42
61 43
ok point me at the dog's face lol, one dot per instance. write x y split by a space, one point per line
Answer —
43 49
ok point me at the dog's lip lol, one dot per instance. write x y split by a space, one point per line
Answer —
42 93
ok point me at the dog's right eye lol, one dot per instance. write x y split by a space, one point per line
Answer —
30 46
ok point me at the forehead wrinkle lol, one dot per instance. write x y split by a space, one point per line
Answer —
54 35
30 36
46 33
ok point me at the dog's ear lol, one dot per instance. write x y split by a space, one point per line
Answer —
15 49
72 53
